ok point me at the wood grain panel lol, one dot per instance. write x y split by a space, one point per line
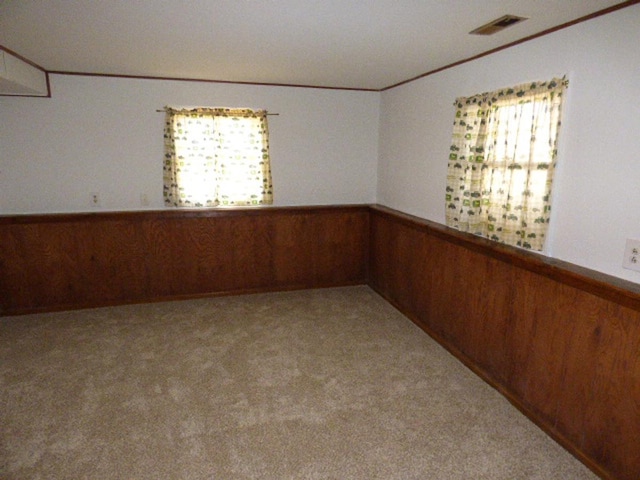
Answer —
79 260
561 342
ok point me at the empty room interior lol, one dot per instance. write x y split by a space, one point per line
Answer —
315 240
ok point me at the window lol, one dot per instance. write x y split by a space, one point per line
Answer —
501 163
216 156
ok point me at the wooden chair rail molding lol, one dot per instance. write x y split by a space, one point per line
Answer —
561 342
606 286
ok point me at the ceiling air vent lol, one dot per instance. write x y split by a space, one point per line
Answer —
498 25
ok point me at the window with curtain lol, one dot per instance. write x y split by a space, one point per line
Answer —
501 163
216 157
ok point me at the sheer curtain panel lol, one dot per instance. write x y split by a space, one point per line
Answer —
502 160
216 157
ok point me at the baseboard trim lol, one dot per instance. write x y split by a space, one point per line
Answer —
177 298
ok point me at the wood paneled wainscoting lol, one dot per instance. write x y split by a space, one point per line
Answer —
561 342
50 262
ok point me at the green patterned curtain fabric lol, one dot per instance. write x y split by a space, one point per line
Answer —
216 157
502 160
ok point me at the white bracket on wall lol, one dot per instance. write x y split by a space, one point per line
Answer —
17 77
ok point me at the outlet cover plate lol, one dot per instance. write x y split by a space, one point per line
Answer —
631 258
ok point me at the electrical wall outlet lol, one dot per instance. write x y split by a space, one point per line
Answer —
631 258
144 200
94 199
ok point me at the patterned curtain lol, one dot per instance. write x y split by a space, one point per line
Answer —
216 156
501 163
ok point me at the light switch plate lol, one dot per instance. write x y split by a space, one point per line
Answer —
631 258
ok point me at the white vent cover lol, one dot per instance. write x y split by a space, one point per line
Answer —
497 25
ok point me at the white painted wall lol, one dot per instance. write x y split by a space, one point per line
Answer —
596 203
103 135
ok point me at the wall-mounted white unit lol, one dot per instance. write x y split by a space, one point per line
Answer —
18 77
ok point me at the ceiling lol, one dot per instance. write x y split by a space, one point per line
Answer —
359 44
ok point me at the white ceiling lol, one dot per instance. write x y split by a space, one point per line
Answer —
364 44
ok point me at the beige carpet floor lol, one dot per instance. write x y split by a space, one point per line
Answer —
319 384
